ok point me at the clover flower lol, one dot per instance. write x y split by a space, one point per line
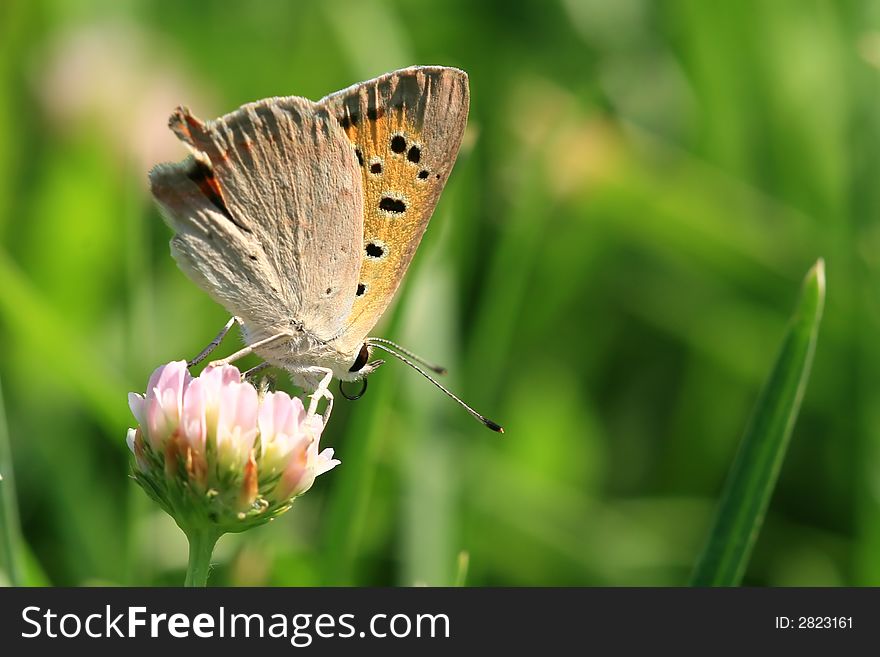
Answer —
217 455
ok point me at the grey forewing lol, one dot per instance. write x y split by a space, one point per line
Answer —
282 242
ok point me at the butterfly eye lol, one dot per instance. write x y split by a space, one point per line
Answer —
361 360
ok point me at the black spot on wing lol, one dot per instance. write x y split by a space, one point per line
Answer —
398 144
393 205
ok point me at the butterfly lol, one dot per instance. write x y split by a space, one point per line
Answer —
301 218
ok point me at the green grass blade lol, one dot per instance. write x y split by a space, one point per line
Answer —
10 530
756 468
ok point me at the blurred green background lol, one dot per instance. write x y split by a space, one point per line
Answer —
608 274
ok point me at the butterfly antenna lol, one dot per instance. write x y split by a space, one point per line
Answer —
494 426
437 369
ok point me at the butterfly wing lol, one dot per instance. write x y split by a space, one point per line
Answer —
268 214
406 128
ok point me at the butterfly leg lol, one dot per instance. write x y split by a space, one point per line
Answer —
249 349
254 370
213 344
322 390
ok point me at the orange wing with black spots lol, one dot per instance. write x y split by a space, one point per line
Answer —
405 128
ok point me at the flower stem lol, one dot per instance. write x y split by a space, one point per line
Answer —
201 547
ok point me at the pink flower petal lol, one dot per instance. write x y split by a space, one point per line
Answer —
159 410
237 422
192 419
136 404
129 439
326 462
